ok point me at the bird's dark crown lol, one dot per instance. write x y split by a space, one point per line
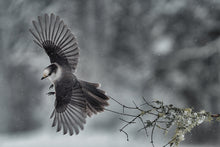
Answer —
52 69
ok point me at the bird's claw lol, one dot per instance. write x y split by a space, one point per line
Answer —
51 93
51 86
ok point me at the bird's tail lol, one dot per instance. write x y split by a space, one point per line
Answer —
96 99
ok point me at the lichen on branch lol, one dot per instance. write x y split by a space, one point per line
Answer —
162 117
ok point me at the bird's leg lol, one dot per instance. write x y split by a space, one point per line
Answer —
51 86
51 93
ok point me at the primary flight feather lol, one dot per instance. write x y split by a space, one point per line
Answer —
75 99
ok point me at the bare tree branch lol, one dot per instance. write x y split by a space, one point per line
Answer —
157 115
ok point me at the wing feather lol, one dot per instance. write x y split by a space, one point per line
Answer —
50 33
63 123
75 117
70 107
67 49
59 122
41 27
37 30
37 43
54 121
72 121
46 25
67 121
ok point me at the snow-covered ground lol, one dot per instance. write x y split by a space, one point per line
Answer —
56 140
96 139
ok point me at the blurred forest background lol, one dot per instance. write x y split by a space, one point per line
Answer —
160 49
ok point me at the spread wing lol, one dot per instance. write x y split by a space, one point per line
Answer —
57 40
74 101
70 108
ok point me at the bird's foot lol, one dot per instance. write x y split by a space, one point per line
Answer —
51 86
51 93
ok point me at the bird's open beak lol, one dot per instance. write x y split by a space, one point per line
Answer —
44 77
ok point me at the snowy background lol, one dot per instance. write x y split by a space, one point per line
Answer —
160 49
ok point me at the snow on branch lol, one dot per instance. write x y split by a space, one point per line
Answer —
156 115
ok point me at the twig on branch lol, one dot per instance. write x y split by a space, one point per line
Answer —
120 113
152 134
126 120
160 116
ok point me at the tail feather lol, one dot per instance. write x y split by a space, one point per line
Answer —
96 99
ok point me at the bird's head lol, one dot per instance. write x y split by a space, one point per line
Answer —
48 71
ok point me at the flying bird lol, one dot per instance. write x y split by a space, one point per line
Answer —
75 99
